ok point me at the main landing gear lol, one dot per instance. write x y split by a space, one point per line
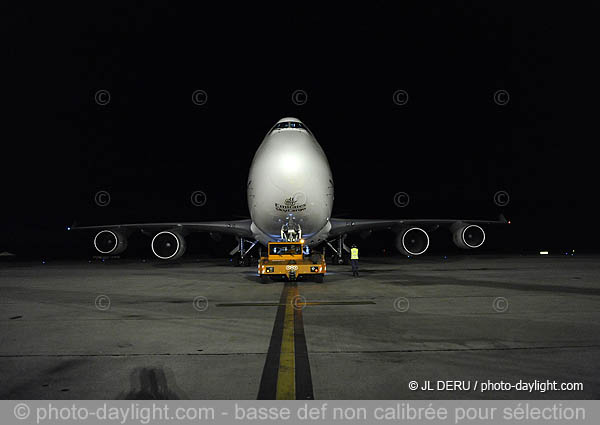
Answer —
240 255
340 251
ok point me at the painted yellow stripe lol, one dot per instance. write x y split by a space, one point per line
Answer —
299 304
286 377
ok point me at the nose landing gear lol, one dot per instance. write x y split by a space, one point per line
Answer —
291 231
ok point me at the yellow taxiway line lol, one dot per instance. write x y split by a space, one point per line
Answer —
286 377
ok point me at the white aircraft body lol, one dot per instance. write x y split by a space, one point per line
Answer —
290 197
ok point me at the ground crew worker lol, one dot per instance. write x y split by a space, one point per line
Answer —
354 260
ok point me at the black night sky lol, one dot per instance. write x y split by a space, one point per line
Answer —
451 147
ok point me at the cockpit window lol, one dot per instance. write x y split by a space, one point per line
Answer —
281 125
290 124
280 249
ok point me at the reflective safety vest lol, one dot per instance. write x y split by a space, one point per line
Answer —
354 254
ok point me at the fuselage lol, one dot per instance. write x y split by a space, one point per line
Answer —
290 180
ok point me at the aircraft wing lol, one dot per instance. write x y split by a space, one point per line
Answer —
233 227
340 226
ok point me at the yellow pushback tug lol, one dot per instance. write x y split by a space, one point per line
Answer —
287 260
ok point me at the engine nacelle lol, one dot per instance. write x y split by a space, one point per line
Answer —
412 241
467 236
110 242
168 245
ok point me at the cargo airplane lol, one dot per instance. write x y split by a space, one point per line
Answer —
290 197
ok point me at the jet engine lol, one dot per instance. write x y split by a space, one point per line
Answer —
110 242
467 236
168 245
412 241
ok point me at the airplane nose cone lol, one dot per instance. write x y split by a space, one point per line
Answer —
291 160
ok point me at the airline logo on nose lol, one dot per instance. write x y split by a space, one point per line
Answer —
290 205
